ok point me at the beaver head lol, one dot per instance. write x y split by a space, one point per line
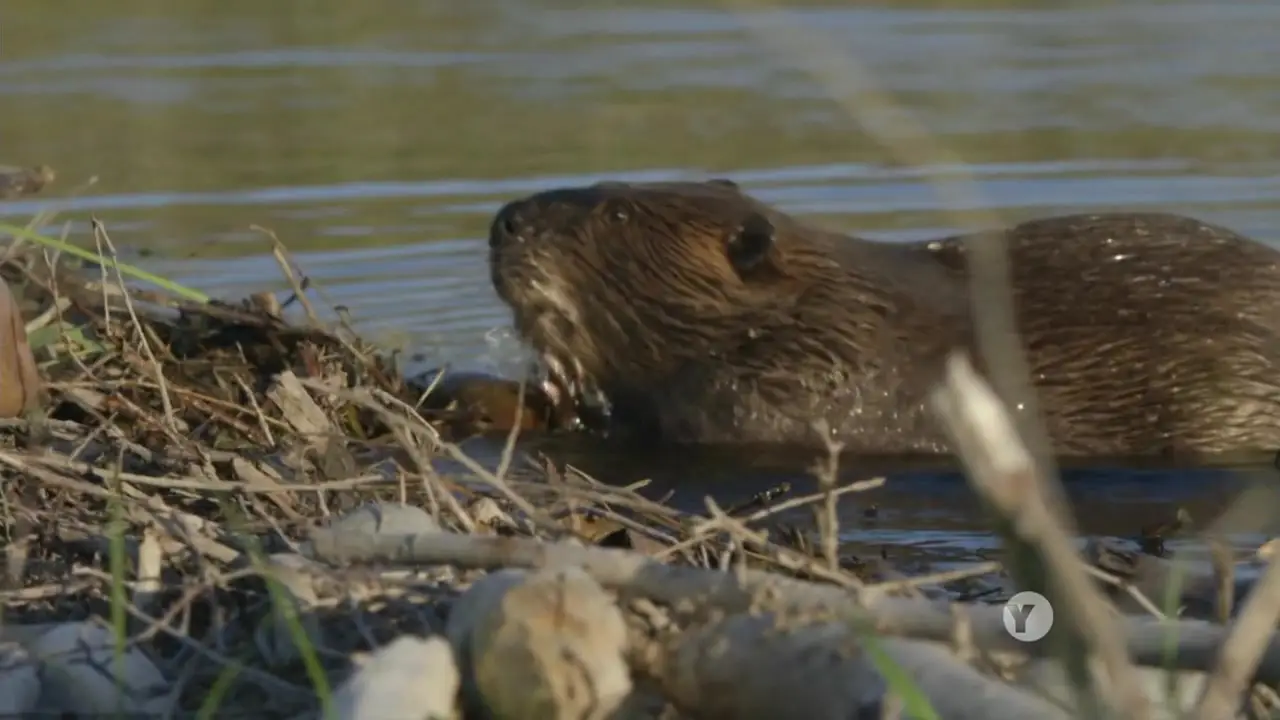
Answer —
637 289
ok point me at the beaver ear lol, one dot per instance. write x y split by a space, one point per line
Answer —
750 243
724 182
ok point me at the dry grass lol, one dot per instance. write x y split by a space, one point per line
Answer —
222 434
186 445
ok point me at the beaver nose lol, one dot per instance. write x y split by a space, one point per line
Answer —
511 224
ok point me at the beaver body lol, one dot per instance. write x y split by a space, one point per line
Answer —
706 316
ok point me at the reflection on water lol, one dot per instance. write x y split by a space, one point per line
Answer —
377 140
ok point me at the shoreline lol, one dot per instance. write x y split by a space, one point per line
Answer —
202 509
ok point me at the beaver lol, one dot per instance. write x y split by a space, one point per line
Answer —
702 315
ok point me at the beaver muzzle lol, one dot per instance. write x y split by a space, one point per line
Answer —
544 313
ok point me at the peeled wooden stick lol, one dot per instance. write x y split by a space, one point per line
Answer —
1003 472
1253 629
968 694
790 667
1185 644
776 667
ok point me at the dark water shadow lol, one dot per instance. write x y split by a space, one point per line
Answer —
924 503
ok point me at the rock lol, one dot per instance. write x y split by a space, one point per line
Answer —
376 518
385 519
19 682
407 679
549 644
79 674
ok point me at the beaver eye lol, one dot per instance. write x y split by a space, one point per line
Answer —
750 243
615 211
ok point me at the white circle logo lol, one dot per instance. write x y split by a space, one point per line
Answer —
1028 616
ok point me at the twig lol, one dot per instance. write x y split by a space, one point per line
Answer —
509 447
26 462
167 404
789 559
465 460
699 534
1253 630
257 411
827 473
1004 473
278 252
940 578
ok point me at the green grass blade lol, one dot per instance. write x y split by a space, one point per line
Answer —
131 271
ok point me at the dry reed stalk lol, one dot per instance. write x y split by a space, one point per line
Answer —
1005 475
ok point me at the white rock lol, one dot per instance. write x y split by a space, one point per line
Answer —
549 644
378 518
408 679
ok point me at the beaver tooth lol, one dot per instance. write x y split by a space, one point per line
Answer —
580 378
552 391
559 376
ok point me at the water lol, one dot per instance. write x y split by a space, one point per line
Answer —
376 140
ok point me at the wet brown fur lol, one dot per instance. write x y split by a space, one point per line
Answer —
706 316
